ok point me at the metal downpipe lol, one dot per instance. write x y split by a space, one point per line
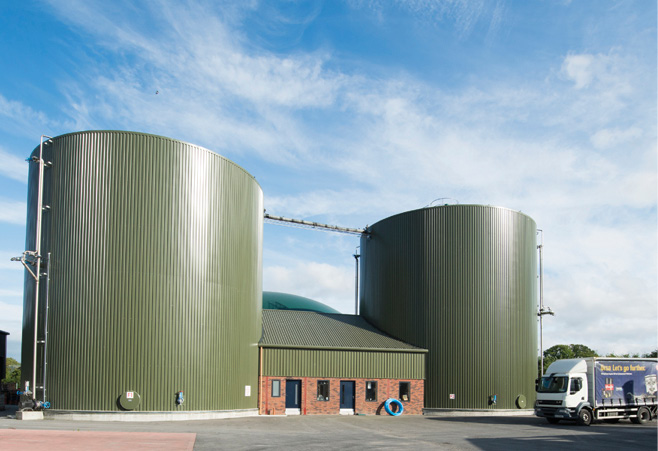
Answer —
45 327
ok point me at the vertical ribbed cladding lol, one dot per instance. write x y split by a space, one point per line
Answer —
155 276
460 281
342 363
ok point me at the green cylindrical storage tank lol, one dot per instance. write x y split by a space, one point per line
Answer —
460 281
154 282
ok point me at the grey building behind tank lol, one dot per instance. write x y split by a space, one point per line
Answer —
153 282
460 281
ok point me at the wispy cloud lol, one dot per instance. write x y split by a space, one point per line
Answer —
462 14
207 86
22 119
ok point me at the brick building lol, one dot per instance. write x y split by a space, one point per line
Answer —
322 363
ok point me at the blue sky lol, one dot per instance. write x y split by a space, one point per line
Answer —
347 112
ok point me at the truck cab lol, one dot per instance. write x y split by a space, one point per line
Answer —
562 392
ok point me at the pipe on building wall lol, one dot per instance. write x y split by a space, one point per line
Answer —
260 379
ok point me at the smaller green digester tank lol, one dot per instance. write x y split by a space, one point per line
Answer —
460 281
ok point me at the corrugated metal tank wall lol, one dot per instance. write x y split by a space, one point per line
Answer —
460 281
155 281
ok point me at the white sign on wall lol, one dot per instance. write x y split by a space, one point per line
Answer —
247 390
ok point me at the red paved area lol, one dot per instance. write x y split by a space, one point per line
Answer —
14 439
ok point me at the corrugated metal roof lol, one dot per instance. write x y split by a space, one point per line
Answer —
313 330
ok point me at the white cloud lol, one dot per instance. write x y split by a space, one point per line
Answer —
610 137
579 69
611 89
13 212
332 285
618 303
12 166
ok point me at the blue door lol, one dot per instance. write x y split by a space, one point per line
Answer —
293 394
347 395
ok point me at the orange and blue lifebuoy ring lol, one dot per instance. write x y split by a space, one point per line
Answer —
387 406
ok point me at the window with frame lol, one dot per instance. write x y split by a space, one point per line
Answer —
371 390
276 388
323 390
405 391
576 385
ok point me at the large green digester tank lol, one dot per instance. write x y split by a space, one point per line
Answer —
460 281
151 288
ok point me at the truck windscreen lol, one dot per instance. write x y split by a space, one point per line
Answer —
553 384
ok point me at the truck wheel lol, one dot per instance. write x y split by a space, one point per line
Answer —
584 417
553 420
643 415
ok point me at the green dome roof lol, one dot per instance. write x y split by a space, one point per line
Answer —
284 301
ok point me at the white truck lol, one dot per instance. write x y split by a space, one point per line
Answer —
598 388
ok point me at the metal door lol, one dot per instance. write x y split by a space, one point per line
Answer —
347 394
293 394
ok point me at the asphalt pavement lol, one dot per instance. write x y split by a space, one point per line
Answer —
324 432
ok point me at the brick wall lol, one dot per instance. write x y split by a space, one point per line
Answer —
315 407
267 404
390 388
386 388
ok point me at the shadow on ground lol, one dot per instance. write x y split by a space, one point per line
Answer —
565 435
10 411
